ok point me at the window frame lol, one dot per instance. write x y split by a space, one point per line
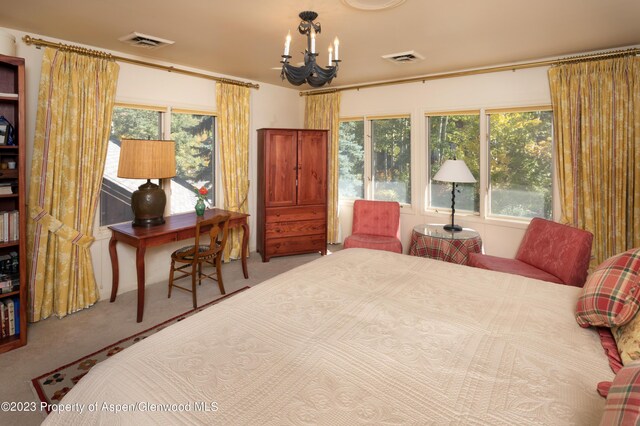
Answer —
216 155
364 159
483 216
102 231
487 167
164 113
426 205
368 156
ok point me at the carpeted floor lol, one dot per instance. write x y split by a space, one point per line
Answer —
52 386
54 342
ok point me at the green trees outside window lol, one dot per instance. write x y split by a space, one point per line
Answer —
520 150
518 157
351 160
391 146
194 138
454 136
388 166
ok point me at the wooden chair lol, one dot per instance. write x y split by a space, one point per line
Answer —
192 257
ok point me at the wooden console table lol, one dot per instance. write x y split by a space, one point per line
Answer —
177 227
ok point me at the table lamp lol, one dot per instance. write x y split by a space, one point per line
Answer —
147 159
455 171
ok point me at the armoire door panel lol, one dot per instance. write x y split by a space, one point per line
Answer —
312 167
280 169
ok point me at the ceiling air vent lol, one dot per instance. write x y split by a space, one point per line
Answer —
404 57
145 41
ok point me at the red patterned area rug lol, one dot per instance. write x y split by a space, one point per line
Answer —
52 386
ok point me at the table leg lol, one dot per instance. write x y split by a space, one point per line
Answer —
140 270
115 273
245 244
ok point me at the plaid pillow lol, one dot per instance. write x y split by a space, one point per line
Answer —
610 297
623 401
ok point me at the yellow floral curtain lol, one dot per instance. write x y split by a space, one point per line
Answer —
76 98
323 112
233 130
596 108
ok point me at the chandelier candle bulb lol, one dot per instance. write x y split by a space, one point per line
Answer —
336 43
287 43
330 55
313 41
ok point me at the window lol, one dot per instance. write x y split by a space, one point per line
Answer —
351 159
193 134
391 159
520 151
383 160
450 136
115 194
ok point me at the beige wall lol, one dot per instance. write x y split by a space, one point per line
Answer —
271 106
505 89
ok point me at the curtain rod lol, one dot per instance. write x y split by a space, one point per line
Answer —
535 64
38 42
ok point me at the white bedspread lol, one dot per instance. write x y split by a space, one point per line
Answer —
357 337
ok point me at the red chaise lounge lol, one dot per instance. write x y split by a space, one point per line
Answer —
376 225
549 251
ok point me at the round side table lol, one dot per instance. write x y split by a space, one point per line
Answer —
434 242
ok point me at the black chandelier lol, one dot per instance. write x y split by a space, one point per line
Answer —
310 72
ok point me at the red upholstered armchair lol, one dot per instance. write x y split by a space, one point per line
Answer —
549 251
376 225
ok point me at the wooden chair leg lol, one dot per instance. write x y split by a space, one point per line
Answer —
200 273
193 285
219 273
171 272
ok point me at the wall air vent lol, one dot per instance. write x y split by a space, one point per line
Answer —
145 41
404 57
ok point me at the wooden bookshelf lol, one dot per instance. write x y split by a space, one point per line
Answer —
12 107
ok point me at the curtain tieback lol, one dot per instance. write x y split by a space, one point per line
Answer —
237 207
55 226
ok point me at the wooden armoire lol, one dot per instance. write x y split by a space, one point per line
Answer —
292 192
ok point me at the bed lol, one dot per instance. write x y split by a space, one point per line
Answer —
361 336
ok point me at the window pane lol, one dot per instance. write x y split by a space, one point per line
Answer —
115 195
391 143
351 158
454 136
521 163
193 135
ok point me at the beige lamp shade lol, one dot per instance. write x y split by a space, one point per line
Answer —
147 159
454 171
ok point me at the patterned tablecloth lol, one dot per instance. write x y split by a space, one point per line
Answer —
434 242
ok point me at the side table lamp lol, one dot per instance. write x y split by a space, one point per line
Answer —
455 171
147 159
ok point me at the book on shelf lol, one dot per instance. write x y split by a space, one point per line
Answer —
3 316
9 317
9 226
5 188
12 316
16 309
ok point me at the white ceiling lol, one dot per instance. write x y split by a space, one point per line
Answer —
245 38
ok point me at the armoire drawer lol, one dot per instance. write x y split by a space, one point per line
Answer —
294 229
288 214
304 244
